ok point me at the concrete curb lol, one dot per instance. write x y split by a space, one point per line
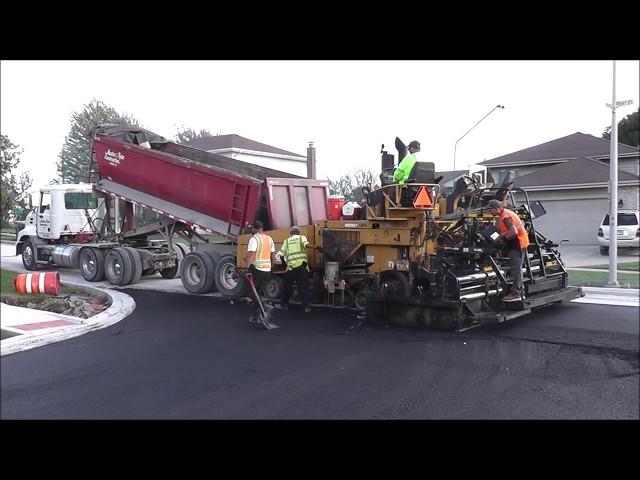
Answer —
613 291
624 297
122 305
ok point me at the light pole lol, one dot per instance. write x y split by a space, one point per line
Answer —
613 187
456 145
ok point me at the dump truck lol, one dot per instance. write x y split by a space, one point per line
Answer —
418 258
151 205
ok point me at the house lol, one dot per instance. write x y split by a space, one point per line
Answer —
570 176
250 151
449 180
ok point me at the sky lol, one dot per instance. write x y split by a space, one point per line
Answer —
348 108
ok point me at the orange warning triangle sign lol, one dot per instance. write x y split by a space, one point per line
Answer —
422 198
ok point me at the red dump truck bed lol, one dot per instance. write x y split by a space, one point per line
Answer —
215 193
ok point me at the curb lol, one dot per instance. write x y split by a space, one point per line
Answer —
623 297
122 305
613 291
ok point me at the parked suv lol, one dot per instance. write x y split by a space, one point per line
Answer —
628 231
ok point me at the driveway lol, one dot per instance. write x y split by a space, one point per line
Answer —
586 255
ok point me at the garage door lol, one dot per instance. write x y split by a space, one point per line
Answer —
573 220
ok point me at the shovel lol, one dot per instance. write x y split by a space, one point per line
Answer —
264 318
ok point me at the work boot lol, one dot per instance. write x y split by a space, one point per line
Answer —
511 297
280 306
307 309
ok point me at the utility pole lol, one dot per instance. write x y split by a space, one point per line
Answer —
455 148
613 187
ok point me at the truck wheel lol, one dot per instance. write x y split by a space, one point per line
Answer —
197 272
181 252
229 282
361 300
274 287
174 272
137 263
29 256
118 266
604 250
214 256
394 284
91 262
348 299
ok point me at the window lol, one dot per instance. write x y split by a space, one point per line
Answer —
79 200
623 219
45 201
503 172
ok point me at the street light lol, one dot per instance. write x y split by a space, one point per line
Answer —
456 146
613 187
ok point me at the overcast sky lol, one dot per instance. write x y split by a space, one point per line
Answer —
348 108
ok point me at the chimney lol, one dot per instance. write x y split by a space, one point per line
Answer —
311 161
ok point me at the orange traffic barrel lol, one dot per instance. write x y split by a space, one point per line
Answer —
43 282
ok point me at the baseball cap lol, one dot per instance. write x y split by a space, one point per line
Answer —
295 228
494 204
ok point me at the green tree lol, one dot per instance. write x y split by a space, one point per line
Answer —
13 190
74 157
185 135
628 130
349 185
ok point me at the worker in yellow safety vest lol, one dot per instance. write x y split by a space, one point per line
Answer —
294 254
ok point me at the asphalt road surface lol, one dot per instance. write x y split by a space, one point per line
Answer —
192 357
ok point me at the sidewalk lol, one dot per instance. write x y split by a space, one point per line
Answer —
601 270
34 328
625 297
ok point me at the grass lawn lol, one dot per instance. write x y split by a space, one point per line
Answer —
600 279
9 237
630 266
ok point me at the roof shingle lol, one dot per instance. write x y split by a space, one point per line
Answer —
577 171
571 146
232 140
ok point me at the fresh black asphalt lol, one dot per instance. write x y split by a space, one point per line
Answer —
193 357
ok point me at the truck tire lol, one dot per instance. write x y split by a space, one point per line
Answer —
91 261
229 282
214 256
174 272
29 259
397 284
181 252
274 287
137 263
118 267
361 299
197 272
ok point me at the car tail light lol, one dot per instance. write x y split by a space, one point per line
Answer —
638 233
601 233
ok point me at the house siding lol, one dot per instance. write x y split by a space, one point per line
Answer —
575 214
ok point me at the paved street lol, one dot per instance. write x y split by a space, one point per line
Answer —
195 357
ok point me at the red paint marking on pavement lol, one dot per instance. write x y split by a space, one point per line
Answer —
39 325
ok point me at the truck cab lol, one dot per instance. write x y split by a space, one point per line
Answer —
62 212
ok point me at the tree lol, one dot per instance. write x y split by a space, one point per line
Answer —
12 195
628 130
185 135
349 185
74 157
